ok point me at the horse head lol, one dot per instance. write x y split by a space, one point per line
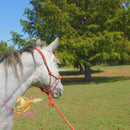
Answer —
46 74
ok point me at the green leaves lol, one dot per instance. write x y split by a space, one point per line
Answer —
19 41
91 31
110 48
4 47
120 22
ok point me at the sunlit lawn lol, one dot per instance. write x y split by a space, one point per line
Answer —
88 106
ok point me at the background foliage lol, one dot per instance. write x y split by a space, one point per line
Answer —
91 31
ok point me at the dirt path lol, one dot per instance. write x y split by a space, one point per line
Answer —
113 72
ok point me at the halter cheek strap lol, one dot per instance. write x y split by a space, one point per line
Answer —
51 103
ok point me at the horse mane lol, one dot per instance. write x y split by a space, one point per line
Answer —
13 58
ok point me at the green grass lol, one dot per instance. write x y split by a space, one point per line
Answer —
93 106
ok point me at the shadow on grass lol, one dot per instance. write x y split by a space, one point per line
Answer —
78 80
76 73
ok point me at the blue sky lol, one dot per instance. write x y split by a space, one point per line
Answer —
11 11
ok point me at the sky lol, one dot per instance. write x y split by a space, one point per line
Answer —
11 11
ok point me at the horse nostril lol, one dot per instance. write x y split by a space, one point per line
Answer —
56 94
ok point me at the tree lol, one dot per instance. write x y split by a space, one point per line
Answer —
19 41
4 47
127 3
89 30
47 20
120 22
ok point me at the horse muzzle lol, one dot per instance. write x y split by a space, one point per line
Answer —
57 92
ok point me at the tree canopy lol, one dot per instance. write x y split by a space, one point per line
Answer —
91 31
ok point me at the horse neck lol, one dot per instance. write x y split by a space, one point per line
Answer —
17 86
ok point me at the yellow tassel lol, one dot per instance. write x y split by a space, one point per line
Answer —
36 100
23 104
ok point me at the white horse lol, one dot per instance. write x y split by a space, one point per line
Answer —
24 68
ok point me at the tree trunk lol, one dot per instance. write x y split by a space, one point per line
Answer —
87 73
81 69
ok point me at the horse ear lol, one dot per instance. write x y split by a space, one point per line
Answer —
53 46
38 42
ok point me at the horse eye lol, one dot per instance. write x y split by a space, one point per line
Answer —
58 64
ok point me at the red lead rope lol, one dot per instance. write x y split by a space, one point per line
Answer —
51 103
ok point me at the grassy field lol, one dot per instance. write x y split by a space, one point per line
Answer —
103 104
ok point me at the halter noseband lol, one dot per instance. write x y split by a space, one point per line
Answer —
51 75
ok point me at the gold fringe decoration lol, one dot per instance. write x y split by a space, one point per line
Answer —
23 104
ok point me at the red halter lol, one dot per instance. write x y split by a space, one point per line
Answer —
51 75
50 94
